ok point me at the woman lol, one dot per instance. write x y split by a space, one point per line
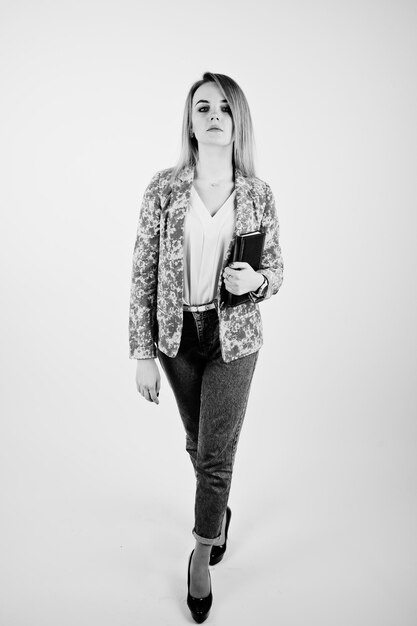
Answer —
182 271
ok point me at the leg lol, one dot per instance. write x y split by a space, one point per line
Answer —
184 373
224 396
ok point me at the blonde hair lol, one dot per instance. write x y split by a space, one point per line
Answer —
243 146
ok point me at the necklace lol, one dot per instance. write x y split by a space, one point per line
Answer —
217 183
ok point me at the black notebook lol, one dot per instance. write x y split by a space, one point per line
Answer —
247 247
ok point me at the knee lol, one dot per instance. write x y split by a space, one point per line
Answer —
217 471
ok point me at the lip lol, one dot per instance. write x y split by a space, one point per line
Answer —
214 128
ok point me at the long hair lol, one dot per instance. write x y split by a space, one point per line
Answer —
243 146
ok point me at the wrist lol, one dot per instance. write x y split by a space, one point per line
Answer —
260 293
260 280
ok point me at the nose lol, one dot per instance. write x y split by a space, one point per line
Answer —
214 115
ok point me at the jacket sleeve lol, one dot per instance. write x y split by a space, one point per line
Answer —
272 266
142 315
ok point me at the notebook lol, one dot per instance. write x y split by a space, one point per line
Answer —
247 247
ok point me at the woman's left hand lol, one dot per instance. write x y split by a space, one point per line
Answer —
240 277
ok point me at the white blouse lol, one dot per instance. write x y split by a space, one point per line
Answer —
206 239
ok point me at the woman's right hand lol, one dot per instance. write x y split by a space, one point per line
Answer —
148 379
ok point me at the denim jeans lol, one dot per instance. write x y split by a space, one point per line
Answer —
211 396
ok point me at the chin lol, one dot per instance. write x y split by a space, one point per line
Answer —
219 141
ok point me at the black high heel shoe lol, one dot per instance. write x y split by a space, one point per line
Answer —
199 607
217 552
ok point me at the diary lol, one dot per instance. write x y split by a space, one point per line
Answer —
247 247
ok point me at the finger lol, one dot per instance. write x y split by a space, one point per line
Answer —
148 395
238 265
235 274
229 283
153 396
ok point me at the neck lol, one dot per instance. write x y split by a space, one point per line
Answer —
214 164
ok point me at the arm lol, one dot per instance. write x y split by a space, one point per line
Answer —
272 265
142 317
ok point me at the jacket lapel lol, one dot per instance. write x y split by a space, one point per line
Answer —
244 204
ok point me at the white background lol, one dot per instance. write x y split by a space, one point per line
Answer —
96 487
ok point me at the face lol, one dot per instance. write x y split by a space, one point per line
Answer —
209 108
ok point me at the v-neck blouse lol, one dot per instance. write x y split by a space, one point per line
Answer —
206 240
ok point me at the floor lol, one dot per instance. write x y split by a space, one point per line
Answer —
96 526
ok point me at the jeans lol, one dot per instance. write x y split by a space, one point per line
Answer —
211 396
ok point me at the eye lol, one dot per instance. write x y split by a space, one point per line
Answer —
225 108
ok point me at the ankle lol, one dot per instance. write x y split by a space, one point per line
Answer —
202 552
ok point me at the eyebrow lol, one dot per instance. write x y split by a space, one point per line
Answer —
208 102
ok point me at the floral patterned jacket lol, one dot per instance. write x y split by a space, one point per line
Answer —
156 312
